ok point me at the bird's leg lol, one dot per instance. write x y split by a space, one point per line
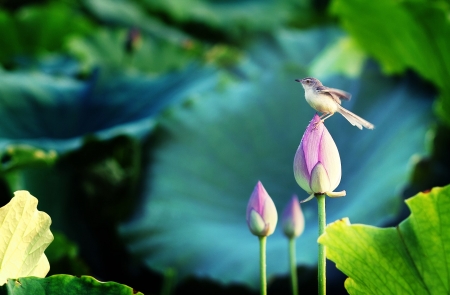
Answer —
325 116
322 118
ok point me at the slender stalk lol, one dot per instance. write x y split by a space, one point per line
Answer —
321 276
293 266
168 281
262 256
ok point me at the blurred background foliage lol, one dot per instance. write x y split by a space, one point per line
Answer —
142 127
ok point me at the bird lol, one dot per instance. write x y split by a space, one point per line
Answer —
328 101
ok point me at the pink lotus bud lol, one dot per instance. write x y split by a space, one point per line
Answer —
317 165
133 40
261 214
293 219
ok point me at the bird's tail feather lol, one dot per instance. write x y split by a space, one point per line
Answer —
354 119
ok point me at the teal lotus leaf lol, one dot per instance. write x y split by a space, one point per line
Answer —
57 112
208 155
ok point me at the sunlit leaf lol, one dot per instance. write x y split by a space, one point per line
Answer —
409 259
209 153
343 57
410 35
25 234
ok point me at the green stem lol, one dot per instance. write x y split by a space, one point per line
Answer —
321 276
168 281
262 256
293 266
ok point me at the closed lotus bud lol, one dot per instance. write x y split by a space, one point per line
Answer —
261 214
293 220
317 165
133 40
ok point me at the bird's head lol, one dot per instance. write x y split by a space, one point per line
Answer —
309 82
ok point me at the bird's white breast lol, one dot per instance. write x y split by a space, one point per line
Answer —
320 102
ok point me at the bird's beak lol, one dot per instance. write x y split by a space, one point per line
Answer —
298 80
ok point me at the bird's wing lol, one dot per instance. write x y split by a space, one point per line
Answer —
332 94
335 92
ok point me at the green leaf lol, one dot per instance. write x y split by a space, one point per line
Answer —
25 233
397 40
209 153
64 285
17 158
161 49
403 35
343 57
233 21
63 256
412 258
105 181
20 155
106 48
37 30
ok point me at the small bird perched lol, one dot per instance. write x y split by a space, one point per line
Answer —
328 101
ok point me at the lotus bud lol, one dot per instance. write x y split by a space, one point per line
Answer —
261 214
317 165
293 220
133 40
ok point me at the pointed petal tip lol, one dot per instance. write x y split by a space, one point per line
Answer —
307 199
315 125
336 194
259 190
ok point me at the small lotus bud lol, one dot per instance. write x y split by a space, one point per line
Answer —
133 40
261 214
293 220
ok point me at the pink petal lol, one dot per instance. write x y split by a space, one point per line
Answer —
311 141
261 206
293 219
